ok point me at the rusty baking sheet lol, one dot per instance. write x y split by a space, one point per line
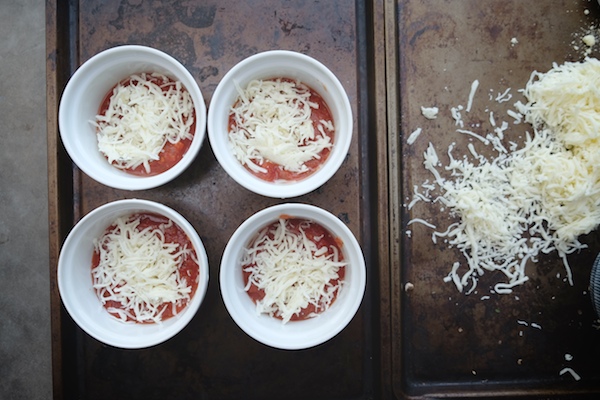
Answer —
212 357
445 343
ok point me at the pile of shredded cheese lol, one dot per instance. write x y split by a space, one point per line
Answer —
292 272
139 270
142 116
538 198
272 121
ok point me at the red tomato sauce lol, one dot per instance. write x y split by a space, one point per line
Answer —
171 153
276 172
189 269
318 235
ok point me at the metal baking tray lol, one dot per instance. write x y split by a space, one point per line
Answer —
443 343
392 56
212 357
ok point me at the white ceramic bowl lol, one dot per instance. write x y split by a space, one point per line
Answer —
273 64
81 101
293 335
80 299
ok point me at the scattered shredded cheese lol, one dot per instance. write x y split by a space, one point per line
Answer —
455 112
474 87
574 374
429 112
413 136
534 199
473 134
515 115
420 221
503 97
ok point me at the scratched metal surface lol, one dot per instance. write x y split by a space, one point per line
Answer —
448 343
212 358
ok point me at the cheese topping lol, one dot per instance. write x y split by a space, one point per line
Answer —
139 270
292 271
272 121
144 112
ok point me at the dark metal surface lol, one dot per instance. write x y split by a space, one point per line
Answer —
212 357
447 343
392 57
595 285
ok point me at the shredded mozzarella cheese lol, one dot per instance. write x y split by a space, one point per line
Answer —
142 116
272 121
413 136
292 272
139 270
474 87
539 198
430 112
570 371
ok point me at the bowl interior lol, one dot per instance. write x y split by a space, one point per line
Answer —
80 299
294 334
273 64
82 98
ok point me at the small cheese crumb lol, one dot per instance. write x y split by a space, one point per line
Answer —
421 221
589 40
455 112
574 374
413 136
429 112
474 87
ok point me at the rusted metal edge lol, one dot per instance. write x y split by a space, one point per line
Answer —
59 24
392 191
384 121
